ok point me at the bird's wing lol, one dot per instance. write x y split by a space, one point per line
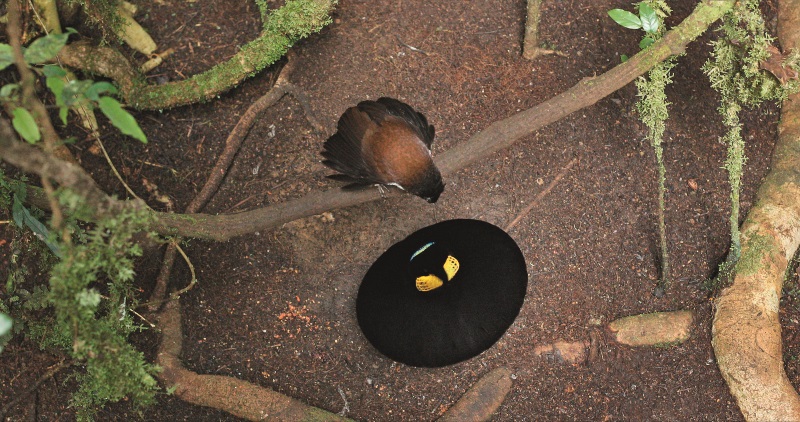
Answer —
384 107
343 150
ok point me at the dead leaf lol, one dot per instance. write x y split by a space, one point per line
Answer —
774 65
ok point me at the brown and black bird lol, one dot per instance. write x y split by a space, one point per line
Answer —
384 142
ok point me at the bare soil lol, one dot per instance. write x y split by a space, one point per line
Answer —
276 308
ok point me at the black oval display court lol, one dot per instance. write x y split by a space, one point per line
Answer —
444 294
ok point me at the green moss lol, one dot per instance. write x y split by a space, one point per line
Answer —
318 415
653 111
282 28
103 15
734 71
667 345
758 247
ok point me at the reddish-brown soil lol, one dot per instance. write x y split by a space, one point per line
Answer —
276 308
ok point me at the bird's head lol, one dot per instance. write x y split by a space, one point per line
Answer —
432 266
431 187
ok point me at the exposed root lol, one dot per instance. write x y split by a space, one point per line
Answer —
232 146
482 399
660 329
746 330
237 397
530 44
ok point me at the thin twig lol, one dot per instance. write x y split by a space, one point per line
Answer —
410 47
111 164
542 194
160 290
193 281
235 140
31 388
232 145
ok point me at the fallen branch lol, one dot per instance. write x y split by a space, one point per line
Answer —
746 329
483 399
282 27
217 174
497 136
237 397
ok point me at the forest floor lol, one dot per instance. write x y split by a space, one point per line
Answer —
277 308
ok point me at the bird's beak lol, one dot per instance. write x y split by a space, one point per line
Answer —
432 199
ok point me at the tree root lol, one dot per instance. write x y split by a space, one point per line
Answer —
237 397
482 399
64 363
253 402
232 146
296 19
659 329
746 329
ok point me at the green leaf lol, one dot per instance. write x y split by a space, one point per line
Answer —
625 18
121 118
623 58
75 92
646 42
18 213
62 115
5 323
89 298
24 217
97 88
8 90
45 48
6 56
25 125
649 18
53 71
56 85
5 330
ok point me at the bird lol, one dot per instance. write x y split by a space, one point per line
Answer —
384 142
444 294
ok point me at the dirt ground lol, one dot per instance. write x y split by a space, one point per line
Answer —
276 308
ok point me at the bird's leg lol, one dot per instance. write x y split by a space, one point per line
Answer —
382 191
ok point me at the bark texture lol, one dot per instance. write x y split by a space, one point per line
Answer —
746 329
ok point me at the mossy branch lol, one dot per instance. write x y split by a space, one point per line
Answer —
497 136
746 330
653 111
652 107
734 71
282 28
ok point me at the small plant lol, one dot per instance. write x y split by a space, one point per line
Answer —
652 104
85 309
734 71
69 94
648 20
